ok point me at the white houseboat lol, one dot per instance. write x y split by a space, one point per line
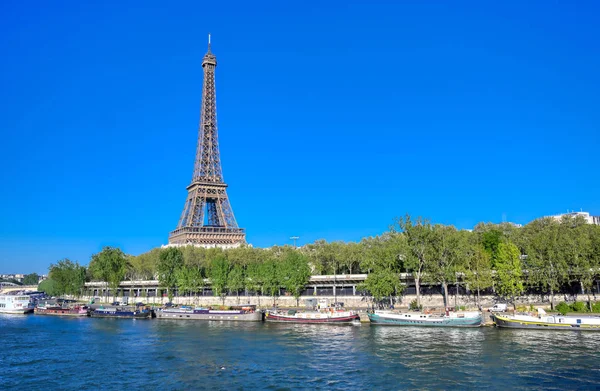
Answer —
15 304
546 321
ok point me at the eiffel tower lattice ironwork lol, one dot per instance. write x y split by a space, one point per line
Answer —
207 219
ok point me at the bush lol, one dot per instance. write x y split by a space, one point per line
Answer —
522 308
563 308
413 306
579 306
596 307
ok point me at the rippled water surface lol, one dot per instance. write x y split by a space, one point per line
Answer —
52 353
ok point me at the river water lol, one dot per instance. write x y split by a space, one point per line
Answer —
52 353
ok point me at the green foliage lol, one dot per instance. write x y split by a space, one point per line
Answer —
68 277
417 249
170 260
219 271
477 268
110 266
294 272
563 308
490 240
509 273
236 279
31 279
49 287
579 306
381 284
446 251
271 277
547 260
415 306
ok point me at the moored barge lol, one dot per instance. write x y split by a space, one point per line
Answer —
120 312
242 313
325 314
57 310
544 321
449 319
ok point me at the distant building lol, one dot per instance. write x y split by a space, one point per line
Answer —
585 215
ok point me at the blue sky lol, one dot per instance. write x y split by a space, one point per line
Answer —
334 117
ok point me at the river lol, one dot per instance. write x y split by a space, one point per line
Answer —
53 353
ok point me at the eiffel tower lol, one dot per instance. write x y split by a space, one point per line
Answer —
207 219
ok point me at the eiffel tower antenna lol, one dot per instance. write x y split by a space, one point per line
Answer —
207 219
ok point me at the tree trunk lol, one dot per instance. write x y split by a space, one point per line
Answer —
478 299
445 287
552 299
514 303
418 288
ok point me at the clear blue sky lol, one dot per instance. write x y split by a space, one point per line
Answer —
334 117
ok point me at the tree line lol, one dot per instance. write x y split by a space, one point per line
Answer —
546 254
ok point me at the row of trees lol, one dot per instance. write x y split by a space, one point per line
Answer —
546 254
232 271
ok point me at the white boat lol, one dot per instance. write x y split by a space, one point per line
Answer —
325 314
15 304
545 321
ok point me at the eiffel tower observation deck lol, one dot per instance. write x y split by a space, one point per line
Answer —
207 219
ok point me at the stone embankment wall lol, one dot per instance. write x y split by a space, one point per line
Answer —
360 302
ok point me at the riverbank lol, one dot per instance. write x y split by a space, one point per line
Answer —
350 301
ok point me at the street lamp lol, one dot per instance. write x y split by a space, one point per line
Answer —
294 238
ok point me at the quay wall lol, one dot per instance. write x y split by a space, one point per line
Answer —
359 302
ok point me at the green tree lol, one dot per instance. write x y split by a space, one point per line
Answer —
110 266
418 236
49 287
68 276
295 273
183 278
254 278
170 261
509 272
382 283
478 269
577 242
196 279
236 280
269 271
547 264
219 272
445 253
31 279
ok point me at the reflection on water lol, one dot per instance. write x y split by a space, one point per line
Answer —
175 354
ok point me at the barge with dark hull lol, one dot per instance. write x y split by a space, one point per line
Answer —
544 321
121 313
239 314
449 319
